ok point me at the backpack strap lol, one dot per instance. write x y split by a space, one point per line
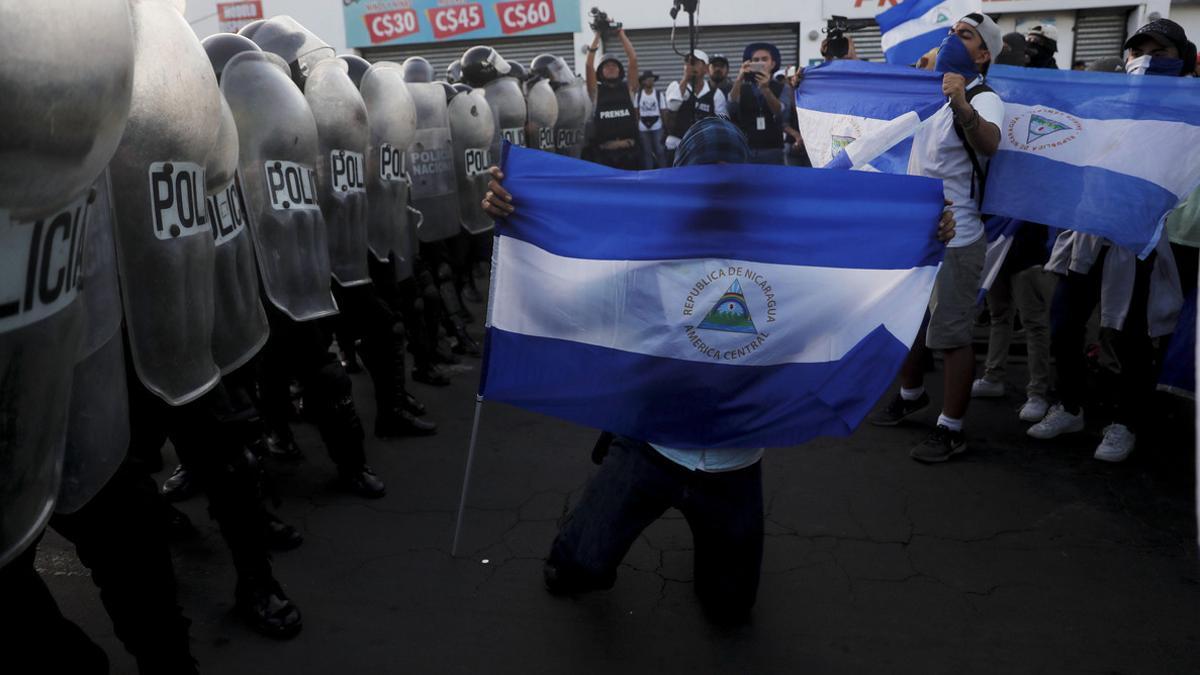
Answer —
977 171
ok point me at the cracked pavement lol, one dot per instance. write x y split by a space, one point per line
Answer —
1022 556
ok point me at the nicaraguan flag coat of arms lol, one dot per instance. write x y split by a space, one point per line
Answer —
719 306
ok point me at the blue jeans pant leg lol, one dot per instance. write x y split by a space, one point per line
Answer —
629 492
725 512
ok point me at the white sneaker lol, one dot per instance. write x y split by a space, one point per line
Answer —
1117 444
985 388
1034 409
1058 421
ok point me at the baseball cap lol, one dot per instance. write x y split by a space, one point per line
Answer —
992 37
1163 31
700 56
719 57
1046 31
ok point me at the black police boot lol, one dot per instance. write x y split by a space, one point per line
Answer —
465 345
403 423
431 375
362 482
181 486
279 535
412 405
262 602
283 447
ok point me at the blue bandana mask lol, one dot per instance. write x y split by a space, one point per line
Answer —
1154 65
953 57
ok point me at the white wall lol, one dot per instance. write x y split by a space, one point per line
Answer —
323 17
1187 16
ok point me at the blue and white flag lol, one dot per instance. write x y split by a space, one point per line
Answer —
1102 153
840 102
913 27
722 306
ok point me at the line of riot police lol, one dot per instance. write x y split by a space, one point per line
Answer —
180 251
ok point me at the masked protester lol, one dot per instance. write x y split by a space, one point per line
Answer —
614 118
1014 50
955 149
1041 43
1139 299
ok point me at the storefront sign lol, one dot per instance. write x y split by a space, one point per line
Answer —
372 23
233 15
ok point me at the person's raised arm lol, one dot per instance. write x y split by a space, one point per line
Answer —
589 68
631 56
984 136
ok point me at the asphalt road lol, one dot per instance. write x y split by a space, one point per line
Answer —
1021 556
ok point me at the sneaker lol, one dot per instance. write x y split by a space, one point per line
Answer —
1117 444
1034 409
985 388
898 410
941 445
1057 422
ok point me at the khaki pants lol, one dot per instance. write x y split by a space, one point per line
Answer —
1028 292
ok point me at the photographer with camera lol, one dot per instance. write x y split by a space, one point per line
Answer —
615 136
690 100
759 105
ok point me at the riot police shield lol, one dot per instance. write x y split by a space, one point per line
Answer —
63 115
295 44
431 164
392 118
98 422
507 102
574 109
473 128
542 105
342 136
239 322
277 139
164 245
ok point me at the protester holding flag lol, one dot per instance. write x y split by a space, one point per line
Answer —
719 491
759 105
1139 299
955 148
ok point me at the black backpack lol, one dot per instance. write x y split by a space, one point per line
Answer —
977 171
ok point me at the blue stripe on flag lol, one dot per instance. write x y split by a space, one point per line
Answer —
780 215
1089 199
1100 96
683 404
910 51
876 90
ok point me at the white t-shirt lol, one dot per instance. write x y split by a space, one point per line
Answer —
676 95
938 152
650 106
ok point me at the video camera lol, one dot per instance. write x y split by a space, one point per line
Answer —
837 45
603 25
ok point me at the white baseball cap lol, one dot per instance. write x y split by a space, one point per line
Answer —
1044 30
700 56
992 37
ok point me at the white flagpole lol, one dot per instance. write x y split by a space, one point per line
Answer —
462 502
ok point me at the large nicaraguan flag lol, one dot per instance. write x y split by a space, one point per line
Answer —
840 102
913 27
717 306
1103 153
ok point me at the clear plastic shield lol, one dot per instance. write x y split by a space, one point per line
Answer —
431 164
474 129
392 117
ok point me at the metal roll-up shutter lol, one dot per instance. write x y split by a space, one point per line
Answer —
1099 33
654 51
867 43
440 54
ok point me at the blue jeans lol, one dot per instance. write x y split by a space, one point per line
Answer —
767 155
634 487
653 156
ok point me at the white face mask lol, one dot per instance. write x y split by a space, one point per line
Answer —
1153 65
1138 66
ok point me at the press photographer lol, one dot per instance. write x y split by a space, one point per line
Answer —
615 136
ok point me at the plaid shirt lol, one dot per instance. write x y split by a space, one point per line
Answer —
713 140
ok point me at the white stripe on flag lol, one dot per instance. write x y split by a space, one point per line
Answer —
1121 145
825 134
953 10
808 314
